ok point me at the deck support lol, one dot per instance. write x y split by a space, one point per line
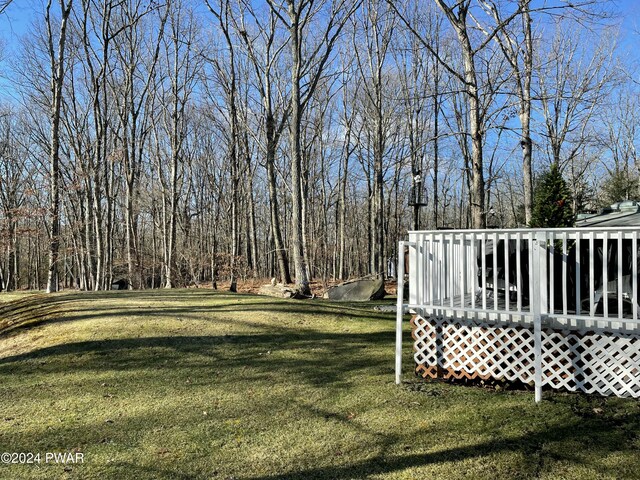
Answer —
399 311
539 305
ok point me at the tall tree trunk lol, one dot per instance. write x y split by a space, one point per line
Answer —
525 112
436 142
342 271
57 78
377 257
173 207
129 226
231 88
478 217
281 253
251 214
176 147
11 255
299 262
378 247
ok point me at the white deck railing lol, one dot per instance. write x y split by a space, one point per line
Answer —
572 280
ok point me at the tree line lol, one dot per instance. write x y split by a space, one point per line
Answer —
177 143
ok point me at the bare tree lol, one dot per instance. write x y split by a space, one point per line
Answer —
620 135
459 16
517 46
377 24
265 51
422 81
14 174
56 56
182 68
308 62
161 148
572 85
4 4
350 85
131 80
95 33
230 85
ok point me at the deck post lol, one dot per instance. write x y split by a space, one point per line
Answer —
400 310
539 290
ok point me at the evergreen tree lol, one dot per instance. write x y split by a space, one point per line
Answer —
620 185
551 201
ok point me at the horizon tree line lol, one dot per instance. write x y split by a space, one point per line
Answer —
187 143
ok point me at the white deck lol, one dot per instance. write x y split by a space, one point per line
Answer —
570 289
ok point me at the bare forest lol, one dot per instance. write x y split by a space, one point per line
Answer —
160 144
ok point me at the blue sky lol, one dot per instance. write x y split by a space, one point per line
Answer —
14 23
630 25
630 10
19 17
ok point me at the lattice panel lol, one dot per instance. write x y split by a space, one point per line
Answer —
592 362
604 363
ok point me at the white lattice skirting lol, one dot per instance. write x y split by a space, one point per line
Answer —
604 363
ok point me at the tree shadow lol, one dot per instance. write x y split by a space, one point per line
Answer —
327 360
28 312
328 357
599 434
544 446
37 310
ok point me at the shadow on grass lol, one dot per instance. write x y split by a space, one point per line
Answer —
597 434
197 311
579 441
329 360
318 358
37 310
28 312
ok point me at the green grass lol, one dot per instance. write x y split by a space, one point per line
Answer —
197 384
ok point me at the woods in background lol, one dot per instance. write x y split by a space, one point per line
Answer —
186 143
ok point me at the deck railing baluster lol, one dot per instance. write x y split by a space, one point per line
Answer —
507 277
592 257
565 260
634 276
495 272
530 240
420 257
619 261
451 273
578 277
463 269
484 270
518 272
443 279
433 272
605 274
474 280
552 253
424 276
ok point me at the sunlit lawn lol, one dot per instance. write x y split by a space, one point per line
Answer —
197 384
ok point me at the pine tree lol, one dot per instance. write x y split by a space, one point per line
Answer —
619 186
551 201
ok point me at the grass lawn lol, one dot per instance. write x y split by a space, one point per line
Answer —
197 384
